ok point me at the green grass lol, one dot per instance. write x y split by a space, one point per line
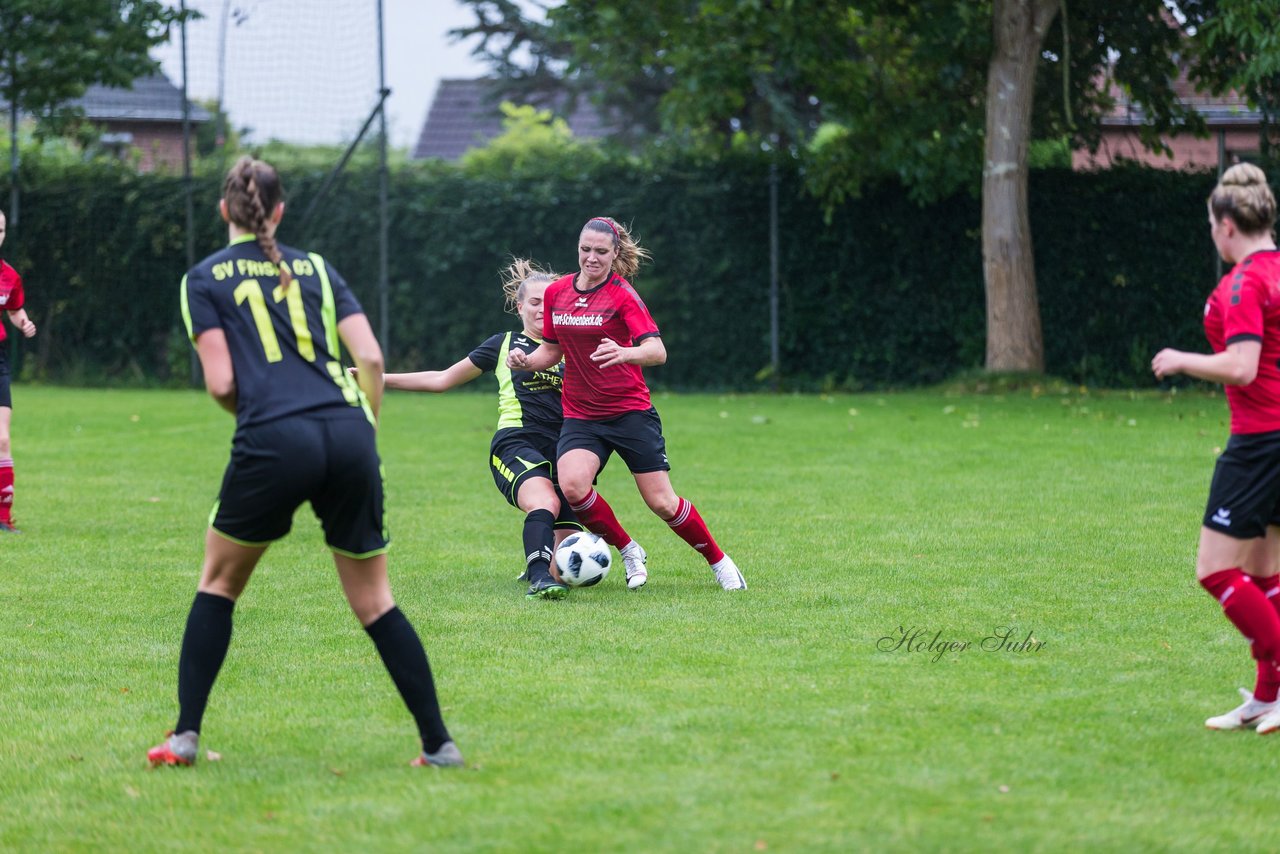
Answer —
680 718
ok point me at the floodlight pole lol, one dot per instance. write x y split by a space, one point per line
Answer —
384 325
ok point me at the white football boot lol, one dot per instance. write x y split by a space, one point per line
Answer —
728 574
1248 713
634 557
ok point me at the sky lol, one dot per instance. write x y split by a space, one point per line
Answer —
306 70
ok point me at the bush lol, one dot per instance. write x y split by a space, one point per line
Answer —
884 293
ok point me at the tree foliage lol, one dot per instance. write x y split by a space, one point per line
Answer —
51 51
1240 51
859 90
532 142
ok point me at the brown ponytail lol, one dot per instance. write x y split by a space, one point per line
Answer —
630 253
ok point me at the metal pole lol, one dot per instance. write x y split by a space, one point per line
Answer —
1222 167
384 325
775 359
219 136
12 217
314 205
186 175
13 166
186 149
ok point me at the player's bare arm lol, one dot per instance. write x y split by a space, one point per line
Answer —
459 373
357 336
215 361
1236 365
23 323
650 351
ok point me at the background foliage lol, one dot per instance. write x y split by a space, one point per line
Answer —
884 293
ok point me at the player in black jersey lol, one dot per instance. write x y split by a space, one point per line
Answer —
529 420
266 321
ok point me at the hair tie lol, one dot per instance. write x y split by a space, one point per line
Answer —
616 238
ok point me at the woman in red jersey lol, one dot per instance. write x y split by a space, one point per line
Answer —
1239 555
11 302
529 420
597 322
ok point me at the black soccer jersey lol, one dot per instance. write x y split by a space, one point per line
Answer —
283 341
525 398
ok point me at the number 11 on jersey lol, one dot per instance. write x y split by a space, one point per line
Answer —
251 290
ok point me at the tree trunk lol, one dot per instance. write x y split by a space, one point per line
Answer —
1014 338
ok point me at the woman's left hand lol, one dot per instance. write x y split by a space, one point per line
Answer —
609 354
1167 363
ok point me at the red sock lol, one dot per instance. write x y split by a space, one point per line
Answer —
1248 609
6 490
1270 587
689 525
597 515
1267 686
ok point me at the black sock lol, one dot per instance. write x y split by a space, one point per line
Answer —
539 538
406 661
204 646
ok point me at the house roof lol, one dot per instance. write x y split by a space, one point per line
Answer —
152 99
1229 109
464 114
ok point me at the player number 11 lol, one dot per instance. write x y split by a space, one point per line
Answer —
251 290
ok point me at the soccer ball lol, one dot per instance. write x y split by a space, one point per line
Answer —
583 559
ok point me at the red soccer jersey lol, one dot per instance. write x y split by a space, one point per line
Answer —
10 294
577 321
1246 307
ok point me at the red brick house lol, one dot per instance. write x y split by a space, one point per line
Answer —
1234 129
146 120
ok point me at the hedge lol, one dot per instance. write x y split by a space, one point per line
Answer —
883 293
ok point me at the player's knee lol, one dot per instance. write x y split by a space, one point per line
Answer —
369 608
529 501
575 492
665 506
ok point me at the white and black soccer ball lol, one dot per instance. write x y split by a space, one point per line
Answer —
583 559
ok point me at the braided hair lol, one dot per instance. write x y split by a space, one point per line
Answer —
252 190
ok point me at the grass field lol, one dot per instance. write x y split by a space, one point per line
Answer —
680 718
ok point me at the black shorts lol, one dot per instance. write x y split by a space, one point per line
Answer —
1244 497
636 436
515 455
330 460
5 397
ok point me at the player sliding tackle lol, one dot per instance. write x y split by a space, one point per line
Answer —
597 322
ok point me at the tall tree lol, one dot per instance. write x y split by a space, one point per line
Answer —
1015 341
942 94
51 51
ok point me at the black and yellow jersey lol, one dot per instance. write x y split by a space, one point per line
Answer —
526 399
283 341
